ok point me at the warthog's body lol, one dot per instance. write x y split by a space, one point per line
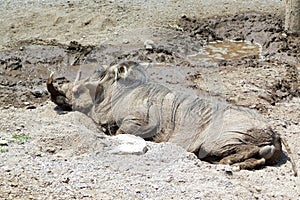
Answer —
122 97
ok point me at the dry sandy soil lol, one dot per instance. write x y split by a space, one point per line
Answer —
49 154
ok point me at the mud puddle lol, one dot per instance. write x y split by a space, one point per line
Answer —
227 50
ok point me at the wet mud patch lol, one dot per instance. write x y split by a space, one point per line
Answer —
240 80
23 71
266 30
285 88
247 78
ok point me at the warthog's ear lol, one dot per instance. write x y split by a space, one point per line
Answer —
123 69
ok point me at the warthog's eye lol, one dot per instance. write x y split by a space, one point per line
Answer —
102 76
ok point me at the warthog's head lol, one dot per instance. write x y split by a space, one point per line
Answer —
82 94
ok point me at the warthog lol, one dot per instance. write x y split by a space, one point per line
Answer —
123 99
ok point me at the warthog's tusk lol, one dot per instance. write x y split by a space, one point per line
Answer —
52 74
58 96
50 78
50 87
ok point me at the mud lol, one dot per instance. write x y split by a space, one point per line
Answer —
25 68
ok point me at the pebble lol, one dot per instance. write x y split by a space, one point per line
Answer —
31 107
258 189
149 45
6 169
125 41
3 142
236 168
284 35
14 184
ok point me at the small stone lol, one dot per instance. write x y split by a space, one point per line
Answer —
3 142
6 169
284 35
125 41
7 106
169 179
51 150
298 153
14 184
258 189
31 107
236 168
67 180
149 45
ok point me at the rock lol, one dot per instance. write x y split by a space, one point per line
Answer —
281 94
3 142
26 103
67 180
129 144
14 184
236 168
257 188
51 150
149 45
31 107
125 41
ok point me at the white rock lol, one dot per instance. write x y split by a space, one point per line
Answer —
3 142
125 41
129 144
149 45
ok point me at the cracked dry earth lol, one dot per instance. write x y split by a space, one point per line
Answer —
49 154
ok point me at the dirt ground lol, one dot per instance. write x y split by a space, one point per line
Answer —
49 154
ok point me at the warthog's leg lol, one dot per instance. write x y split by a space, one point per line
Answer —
251 163
138 126
243 153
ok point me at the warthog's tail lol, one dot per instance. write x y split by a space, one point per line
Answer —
294 167
57 96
